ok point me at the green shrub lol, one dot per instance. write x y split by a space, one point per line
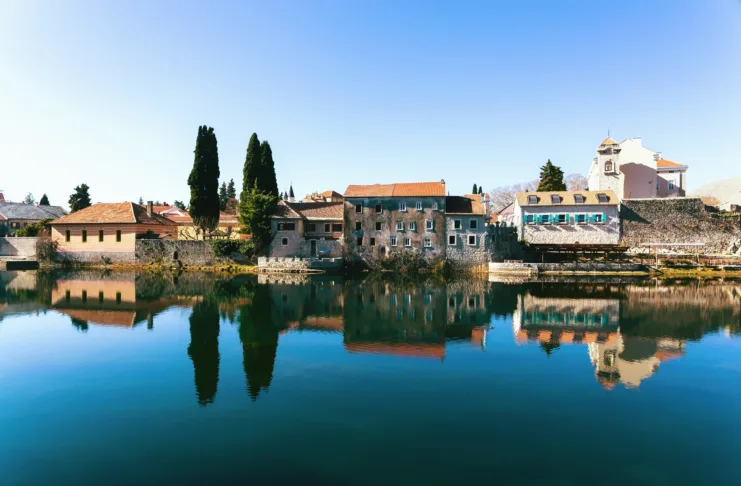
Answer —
224 248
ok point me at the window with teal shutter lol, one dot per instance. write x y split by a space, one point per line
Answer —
604 218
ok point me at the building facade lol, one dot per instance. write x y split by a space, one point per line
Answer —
228 226
465 229
633 171
307 230
384 218
568 217
14 216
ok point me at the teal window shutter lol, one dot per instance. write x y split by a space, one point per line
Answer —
604 218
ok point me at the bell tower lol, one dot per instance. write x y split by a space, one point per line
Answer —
608 166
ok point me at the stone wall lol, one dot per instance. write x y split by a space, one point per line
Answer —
461 251
186 252
96 257
576 267
607 233
21 247
677 220
289 264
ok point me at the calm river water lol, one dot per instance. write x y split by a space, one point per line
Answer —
139 379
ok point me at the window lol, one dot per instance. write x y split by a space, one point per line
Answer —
311 227
358 226
451 240
67 295
428 225
358 208
337 227
372 242
412 226
602 197
84 296
327 227
428 243
598 218
608 166
419 205
532 199
529 219
561 218
545 219
118 236
457 223
118 297
400 226
451 302
580 218
360 241
471 240
402 206
473 224
286 226
407 242
555 199
67 235
378 208
579 198
671 185
434 206
100 235
284 241
84 236
393 241
428 299
378 225
100 297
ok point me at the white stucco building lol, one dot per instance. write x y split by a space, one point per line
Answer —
633 171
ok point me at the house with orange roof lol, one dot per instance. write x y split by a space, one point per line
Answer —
107 232
385 218
465 227
227 228
326 196
634 171
307 230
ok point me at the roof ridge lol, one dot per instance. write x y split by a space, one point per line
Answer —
133 212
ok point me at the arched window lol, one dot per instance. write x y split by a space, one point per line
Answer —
608 166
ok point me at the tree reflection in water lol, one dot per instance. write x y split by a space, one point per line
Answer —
204 349
259 336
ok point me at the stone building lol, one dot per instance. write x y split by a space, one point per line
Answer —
465 229
633 171
326 196
307 230
384 218
568 218
107 232
14 216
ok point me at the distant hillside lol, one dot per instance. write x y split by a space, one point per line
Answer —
727 190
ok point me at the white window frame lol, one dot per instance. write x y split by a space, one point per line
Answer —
400 226
284 241
403 206
671 185
475 240
473 224
457 224
434 206
327 227
358 206
455 240
558 215
533 219
407 242
412 226
428 225
393 241
419 206
427 242
583 215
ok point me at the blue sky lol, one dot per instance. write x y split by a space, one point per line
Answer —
112 93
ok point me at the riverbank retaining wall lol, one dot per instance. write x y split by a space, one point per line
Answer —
174 252
24 247
288 264
527 269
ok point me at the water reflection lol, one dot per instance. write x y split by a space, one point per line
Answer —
627 328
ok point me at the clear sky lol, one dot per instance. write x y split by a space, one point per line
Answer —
111 93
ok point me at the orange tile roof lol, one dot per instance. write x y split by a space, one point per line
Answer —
115 213
161 209
224 218
466 204
309 210
667 163
405 189
331 194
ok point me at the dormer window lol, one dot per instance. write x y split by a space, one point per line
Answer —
579 198
555 199
532 199
602 197
608 166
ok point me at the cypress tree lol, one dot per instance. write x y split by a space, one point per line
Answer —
475 189
204 181
252 163
551 178
80 199
223 197
231 192
268 180
481 190
290 191
255 209
44 201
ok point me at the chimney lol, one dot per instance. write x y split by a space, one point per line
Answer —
150 209
2 198
442 182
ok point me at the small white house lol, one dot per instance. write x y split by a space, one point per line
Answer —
568 218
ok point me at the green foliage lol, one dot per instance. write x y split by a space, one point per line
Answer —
267 180
475 189
204 181
224 248
231 191
46 248
29 199
80 199
44 201
481 190
141 201
252 163
223 197
551 178
34 229
179 204
290 191
255 210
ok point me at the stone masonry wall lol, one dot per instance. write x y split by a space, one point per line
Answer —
96 257
20 247
461 251
187 252
677 220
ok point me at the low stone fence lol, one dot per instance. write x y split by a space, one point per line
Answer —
24 247
289 264
174 252
95 257
581 267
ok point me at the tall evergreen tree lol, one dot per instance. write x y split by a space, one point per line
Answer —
268 180
475 189
179 204
252 164
80 199
481 190
204 181
141 201
290 192
231 191
551 178
255 209
223 197
44 200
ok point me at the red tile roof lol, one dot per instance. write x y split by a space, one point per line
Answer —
331 194
405 189
309 210
667 163
224 218
117 213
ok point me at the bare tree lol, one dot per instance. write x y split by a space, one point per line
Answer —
503 196
576 182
